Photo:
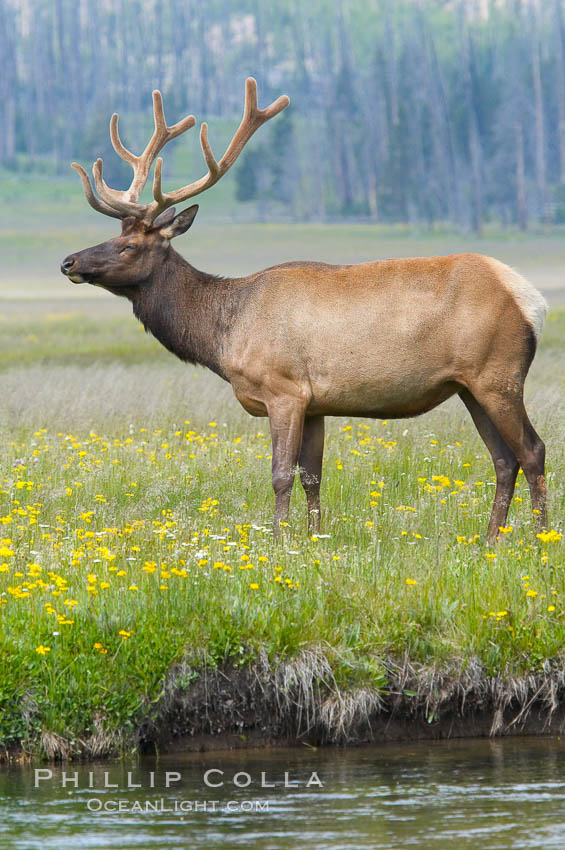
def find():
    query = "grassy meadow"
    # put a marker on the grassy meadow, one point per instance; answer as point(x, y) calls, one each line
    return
point(136, 505)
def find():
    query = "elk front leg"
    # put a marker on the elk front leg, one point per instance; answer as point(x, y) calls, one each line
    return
point(286, 419)
point(310, 466)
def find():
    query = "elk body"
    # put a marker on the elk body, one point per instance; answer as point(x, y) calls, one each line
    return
point(304, 340)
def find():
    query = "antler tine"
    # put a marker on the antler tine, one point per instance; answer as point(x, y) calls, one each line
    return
point(253, 118)
point(120, 149)
point(213, 166)
point(157, 190)
point(178, 128)
point(250, 105)
point(94, 202)
point(159, 112)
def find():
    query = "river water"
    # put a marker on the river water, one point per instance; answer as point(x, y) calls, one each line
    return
point(480, 794)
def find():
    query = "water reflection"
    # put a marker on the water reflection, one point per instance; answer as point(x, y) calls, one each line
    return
point(481, 794)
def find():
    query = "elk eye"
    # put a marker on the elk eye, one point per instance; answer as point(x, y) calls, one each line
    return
point(129, 248)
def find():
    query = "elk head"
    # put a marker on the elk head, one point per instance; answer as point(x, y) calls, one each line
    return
point(129, 259)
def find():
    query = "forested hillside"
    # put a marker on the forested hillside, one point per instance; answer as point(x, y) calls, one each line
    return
point(413, 110)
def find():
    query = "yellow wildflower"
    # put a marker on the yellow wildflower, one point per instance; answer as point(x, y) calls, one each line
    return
point(545, 536)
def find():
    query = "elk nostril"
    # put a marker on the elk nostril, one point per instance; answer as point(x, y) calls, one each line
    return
point(67, 264)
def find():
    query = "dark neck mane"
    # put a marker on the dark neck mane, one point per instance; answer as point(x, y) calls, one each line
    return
point(190, 312)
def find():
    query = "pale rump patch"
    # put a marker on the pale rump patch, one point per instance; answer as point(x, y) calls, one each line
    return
point(532, 304)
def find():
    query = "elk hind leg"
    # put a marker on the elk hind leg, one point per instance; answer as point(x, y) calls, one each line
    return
point(310, 466)
point(505, 464)
point(508, 414)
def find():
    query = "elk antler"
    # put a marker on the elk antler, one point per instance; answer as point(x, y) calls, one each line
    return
point(121, 204)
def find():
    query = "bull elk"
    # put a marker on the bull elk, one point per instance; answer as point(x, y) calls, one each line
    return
point(304, 340)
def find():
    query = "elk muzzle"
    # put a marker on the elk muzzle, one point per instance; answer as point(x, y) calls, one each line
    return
point(67, 269)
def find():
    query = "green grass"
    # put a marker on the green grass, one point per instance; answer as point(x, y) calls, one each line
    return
point(135, 531)
point(72, 338)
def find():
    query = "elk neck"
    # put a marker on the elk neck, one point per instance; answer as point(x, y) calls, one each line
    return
point(190, 312)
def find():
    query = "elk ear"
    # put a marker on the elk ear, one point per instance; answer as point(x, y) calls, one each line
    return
point(181, 223)
point(164, 219)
